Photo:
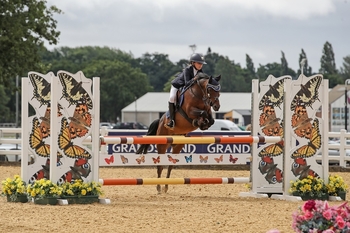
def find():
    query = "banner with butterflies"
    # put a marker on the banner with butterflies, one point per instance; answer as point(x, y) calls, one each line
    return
point(63, 118)
point(289, 113)
point(191, 154)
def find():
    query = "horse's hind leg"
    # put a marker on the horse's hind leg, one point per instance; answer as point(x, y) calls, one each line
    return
point(159, 172)
point(168, 176)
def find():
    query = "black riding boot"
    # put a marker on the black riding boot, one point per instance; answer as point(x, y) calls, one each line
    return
point(171, 123)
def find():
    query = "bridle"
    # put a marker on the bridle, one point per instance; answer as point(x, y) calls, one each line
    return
point(205, 92)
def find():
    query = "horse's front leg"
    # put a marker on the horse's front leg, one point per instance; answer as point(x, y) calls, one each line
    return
point(159, 172)
point(168, 176)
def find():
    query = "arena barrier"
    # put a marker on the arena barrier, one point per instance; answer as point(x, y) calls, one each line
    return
point(160, 181)
point(187, 140)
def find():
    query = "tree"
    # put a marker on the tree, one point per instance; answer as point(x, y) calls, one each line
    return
point(4, 110)
point(328, 68)
point(345, 71)
point(327, 60)
point(24, 26)
point(74, 59)
point(284, 64)
point(250, 65)
point(158, 68)
point(120, 85)
point(307, 70)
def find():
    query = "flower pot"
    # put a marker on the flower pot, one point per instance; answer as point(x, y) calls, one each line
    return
point(80, 199)
point(46, 201)
point(19, 198)
point(306, 197)
point(342, 195)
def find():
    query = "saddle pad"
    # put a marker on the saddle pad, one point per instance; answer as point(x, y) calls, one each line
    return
point(179, 101)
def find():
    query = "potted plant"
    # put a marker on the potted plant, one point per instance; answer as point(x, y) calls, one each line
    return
point(80, 192)
point(318, 216)
point(309, 188)
point(44, 192)
point(14, 189)
point(336, 186)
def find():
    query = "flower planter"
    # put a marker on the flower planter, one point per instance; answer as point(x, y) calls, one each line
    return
point(19, 198)
point(81, 199)
point(342, 195)
point(306, 197)
point(46, 201)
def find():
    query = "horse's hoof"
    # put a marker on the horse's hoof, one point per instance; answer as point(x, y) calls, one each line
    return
point(159, 189)
point(165, 189)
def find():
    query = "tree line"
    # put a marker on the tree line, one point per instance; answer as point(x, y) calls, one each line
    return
point(123, 77)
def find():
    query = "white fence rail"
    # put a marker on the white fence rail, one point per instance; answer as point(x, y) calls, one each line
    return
point(339, 149)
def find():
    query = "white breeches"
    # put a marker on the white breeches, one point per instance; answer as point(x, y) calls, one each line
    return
point(173, 92)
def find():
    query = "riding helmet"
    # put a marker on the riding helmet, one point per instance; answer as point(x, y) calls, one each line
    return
point(197, 57)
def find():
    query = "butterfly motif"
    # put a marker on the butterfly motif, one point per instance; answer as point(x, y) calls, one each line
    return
point(65, 143)
point(299, 166)
point(45, 120)
point(140, 159)
point(268, 122)
point(172, 160)
point(110, 160)
point(232, 159)
point(308, 172)
point(265, 164)
point(80, 169)
point(42, 89)
point(203, 159)
point(274, 175)
point(313, 145)
point(124, 159)
point(156, 160)
point(274, 95)
point(81, 120)
point(41, 174)
point(73, 91)
point(188, 159)
point(36, 140)
point(219, 159)
point(301, 123)
point(308, 93)
point(272, 150)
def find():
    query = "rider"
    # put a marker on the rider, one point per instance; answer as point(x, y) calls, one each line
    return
point(183, 79)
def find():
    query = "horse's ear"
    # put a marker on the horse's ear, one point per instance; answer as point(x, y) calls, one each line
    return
point(217, 78)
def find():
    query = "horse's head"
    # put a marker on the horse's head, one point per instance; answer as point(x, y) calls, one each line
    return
point(213, 90)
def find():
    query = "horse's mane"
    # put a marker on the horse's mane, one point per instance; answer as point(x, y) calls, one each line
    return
point(213, 83)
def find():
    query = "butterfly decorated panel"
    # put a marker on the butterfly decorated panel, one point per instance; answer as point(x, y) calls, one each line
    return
point(74, 121)
point(305, 126)
point(127, 159)
point(270, 109)
point(39, 99)
point(75, 125)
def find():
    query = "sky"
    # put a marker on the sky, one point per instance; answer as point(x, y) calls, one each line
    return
point(232, 28)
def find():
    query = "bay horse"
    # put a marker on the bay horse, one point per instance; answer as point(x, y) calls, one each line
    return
point(193, 111)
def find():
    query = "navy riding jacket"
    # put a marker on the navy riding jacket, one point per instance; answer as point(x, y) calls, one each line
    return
point(183, 78)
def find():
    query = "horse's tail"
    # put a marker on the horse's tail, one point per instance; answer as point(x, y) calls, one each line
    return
point(152, 130)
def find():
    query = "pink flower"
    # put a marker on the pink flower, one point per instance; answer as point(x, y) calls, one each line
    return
point(309, 205)
point(327, 214)
point(273, 231)
point(340, 222)
point(328, 231)
point(308, 215)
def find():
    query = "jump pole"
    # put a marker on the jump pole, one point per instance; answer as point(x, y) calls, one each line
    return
point(160, 181)
point(187, 140)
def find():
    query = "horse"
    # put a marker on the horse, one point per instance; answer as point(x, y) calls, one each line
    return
point(193, 111)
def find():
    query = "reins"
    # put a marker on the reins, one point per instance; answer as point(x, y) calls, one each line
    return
point(205, 97)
